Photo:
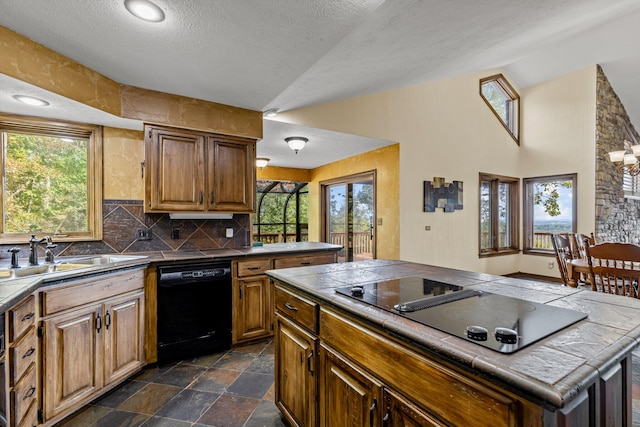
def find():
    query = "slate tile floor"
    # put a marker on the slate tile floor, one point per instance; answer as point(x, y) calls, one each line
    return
point(228, 389)
point(231, 388)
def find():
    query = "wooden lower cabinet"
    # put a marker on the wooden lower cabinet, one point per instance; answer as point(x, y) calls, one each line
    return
point(89, 348)
point(253, 313)
point(92, 339)
point(399, 412)
point(253, 299)
point(347, 396)
point(295, 373)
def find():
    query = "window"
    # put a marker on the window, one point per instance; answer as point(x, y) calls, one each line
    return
point(549, 207)
point(498, 215)
point(504, 101)
point(282, 212)
point(51, 181)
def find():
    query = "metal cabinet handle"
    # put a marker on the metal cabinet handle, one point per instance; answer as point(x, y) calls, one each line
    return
point(306, 263)
point(212, 198)
point(310, 362)
point(29, 393)
point(28, 316)
point(99, 323)
point(29, 352)
point(254, 268)
point(290, 307)
point(201, 197)
point(372, 410)
point(107, 320)
point(387, 417)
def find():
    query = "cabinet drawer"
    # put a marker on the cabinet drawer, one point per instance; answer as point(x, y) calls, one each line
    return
point(24, 395)
point(21, 317)
point(90, 290)
point(303, 261)
point(253, 267)
point(21, 355)
point(302, 311)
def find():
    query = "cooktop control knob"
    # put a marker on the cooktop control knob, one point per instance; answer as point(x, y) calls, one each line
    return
point(477, 333)
point(357, 291)
point(506, 335)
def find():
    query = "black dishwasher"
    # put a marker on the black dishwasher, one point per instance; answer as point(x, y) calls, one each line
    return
point(194, 310)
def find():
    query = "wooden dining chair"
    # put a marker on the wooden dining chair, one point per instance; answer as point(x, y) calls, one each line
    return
point(562, 248)
point(580, 242)
point(615, 268)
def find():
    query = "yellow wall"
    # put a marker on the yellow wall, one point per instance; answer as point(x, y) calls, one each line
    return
point(123, 151)
point(385, 161)
point(445, 129)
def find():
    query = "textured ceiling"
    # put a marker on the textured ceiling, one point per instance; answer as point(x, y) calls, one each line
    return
point(294, 53)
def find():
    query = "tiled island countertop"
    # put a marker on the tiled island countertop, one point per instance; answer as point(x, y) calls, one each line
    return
point(552, 371)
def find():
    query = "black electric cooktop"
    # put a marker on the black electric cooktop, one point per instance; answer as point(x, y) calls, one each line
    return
point(498, 322)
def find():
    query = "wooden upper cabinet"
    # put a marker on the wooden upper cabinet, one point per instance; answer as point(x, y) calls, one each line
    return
point(231, 174)
point(193, 171)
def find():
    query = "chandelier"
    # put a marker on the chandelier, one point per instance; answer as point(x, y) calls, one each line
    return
point(627, 161)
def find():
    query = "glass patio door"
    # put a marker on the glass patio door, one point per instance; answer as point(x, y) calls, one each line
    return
point(349, 216)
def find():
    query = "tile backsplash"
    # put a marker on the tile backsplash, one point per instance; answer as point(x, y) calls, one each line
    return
point(122, 218)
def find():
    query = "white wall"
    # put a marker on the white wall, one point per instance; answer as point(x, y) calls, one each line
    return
point(446, 130)
point(558, 137)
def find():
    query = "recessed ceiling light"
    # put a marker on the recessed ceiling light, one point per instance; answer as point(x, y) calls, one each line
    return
point(30, 100)
point(145, 10)
point(272, 112)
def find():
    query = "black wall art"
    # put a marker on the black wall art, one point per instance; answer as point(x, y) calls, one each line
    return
point(440, 194)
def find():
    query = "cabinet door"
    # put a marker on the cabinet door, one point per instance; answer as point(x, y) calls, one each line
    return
point(295, 380)
point(174, 170)
point(231, 175)
point(72, 348)
point(253, 312)
point(123, 328)
point(400, 413)
point(348, 397)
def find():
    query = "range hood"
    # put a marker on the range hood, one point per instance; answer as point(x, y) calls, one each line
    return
point(200, 215)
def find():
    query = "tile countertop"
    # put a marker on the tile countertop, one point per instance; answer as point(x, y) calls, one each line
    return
point(13, 290)
point(553, 370)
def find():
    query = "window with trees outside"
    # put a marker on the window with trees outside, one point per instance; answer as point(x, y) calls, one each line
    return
point(549, 207)
point(504, 101)
point(281, 214)
point(498, 215)
point(51, 181)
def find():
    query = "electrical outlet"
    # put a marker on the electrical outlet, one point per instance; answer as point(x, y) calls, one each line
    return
point(551, 265)
point(427, 228)
point(175, 233)
point(143, 234)
point(229, 233)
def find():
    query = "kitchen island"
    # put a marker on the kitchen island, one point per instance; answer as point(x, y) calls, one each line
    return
point(377, 367)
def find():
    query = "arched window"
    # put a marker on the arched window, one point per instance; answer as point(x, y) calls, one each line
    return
point(281, 214)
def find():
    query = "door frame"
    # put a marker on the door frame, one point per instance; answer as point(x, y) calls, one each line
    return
point(349, 179)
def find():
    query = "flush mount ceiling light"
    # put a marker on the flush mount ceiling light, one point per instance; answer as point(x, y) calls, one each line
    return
point(262, 162)
point(30, 100)
point(145, 10)
point(272, 112)
point(296, 143)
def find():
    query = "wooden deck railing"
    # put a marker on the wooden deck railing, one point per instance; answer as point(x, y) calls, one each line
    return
point(540, 240)
point(361, 240)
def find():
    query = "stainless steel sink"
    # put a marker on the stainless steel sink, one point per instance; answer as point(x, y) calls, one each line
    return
point(65, 265)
